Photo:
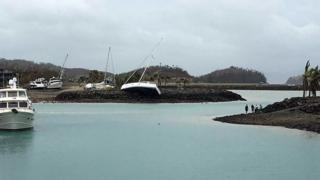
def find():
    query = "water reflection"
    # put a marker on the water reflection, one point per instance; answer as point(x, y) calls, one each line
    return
point(15, 142)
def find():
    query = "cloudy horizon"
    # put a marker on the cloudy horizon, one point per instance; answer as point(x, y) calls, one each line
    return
point(275, 37)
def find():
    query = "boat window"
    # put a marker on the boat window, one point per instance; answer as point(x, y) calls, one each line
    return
point(3, 105)
point(23, 104)
point(22, 94)
point(2, 94)
point(13, 104)
point(12, 93)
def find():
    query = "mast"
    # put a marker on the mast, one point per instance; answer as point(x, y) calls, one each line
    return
point(113, 71)
point(62, 68)
point(145, 59)
point(105, 73)
point(145, 68)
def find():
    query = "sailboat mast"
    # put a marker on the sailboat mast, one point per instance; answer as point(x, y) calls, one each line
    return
point(144, 60)
point(144, 71)
point(105, 73)
point(62, 68)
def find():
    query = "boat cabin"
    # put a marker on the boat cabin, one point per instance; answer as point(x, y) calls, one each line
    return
point(14, 98)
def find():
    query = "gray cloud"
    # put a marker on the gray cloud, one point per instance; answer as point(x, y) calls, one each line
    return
point(275, 36)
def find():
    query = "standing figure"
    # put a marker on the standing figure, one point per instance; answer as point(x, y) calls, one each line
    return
point(246, 108)
point(252, 108)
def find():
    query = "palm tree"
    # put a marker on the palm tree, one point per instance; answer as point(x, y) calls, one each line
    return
point(305, 81)
point(313, 78)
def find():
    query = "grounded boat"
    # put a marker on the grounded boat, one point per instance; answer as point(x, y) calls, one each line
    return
point(57, 83)
point(107, 83)
point(98, 86)
point(15, 108)
point(39, 83)
point(146, 88)
point(142, 87)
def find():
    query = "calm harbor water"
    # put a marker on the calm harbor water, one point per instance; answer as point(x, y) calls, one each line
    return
point(157, 141)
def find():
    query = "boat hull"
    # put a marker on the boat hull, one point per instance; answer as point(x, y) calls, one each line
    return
point(18, 120)
point(55, 85)
point(142, 88)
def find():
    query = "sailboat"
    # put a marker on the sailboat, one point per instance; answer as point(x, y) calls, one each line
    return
point(56, 83)
point(108, 82)
point(142, 87)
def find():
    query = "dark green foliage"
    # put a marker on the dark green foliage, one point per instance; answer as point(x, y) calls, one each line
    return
point(27, 71)
point(159, 74)
point(233, 75)
point(83, 79)
point(95, 76)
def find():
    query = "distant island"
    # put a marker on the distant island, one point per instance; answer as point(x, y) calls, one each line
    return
point(295, 80)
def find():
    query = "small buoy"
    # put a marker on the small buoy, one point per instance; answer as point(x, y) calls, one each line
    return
point(159, 124)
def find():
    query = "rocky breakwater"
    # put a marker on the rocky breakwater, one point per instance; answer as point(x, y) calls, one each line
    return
point(297, 113)
point(169, 95)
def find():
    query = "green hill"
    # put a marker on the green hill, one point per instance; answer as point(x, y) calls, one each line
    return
point(233, 75)
point(28, 70)
point(160, 74)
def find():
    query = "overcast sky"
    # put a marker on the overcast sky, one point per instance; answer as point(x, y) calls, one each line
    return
point(273, 36)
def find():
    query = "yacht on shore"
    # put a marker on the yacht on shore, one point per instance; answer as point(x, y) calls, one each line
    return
point(57, 83)
point(143, 87)
point(108, 82)
point(39, 83)
point(16, 110)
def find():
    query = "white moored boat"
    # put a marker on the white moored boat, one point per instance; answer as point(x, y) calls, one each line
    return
point(15, 108)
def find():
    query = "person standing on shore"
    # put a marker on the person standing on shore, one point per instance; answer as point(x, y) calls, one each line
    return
point(246, 108)
point(256, 110)
point(252, 108)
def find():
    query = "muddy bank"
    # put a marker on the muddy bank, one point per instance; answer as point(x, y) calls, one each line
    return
point(190, 95)
point(295, 113)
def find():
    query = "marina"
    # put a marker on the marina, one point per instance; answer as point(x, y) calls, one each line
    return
point(159, 90)
point(157, 141)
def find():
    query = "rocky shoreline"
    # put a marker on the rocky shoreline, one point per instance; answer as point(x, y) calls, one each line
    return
point(189, 95)
point(294, 113)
